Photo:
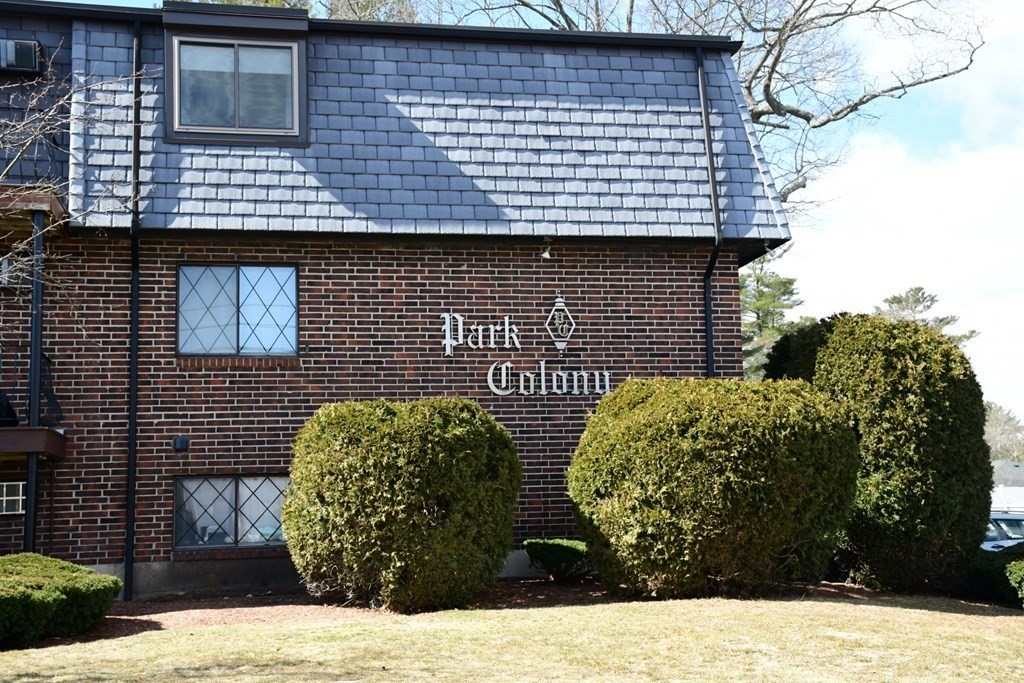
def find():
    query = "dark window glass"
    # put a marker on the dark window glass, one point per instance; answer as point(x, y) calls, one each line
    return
point(265, 87)
point(228, 511)
point(207, 86)
point(236, 87)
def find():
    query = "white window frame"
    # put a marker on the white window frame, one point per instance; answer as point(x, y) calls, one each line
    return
point(176, 43)
point(12, 490)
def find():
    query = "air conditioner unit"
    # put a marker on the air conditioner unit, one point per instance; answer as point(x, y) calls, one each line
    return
point(21, 55)
point(12, 276)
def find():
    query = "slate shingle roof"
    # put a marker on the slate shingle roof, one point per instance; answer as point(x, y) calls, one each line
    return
point(432, 136)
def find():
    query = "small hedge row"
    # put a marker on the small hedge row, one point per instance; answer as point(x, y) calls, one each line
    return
point(703, 487)
point(1015, 575)
point(43, 596)
point(404, 505)
point(563, 559)
point(795, 354)
point(988, 576)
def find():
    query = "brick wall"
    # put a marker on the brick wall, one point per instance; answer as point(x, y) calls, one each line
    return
point(369, 327)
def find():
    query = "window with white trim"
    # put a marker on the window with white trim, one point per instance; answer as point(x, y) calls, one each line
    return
point(237, 310)
point(12, 497)
point(233, 87)
point(228, 511)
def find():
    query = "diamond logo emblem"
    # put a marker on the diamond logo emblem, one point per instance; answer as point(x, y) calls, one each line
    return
point(560, 324)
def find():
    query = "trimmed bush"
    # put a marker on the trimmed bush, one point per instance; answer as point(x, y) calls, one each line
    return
point(563, 559)
point(688, 488)
point(925, 480)
point(988, 576)
point(1015, 575)
point(407, 506)
point(795, 353)
point(43, 596)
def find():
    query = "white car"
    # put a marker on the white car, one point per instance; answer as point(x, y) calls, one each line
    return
point(1004, 529)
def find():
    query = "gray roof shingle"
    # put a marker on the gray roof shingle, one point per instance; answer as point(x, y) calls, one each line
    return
point(424, 136)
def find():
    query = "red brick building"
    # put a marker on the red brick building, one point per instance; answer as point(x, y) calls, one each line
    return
point(523, 218)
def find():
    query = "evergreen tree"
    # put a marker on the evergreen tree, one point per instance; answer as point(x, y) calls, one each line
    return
point(914, 304)
point(765, 296)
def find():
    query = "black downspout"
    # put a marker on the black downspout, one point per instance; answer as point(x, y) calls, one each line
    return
point(35, 364)
point(709, 334)
point(133, 350)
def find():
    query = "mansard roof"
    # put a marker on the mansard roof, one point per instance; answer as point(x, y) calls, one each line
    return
point(429, 130)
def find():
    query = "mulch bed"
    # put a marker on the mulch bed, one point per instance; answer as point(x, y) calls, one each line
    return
point(227, 608)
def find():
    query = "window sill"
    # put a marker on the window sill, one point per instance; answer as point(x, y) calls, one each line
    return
point(239, 362)
point(236, 553)
point(237, 139)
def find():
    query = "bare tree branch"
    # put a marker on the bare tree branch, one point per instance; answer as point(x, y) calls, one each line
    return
point(36, 115)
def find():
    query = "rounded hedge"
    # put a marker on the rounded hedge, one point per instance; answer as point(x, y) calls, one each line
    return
point(795, 354)
point(565, 560)
point(687, 488)
point(43, 596)
point(408, 506)
point(925, 482)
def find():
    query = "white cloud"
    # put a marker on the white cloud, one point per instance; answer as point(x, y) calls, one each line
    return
point(953, 226)
point(991, 96)
point(951, 220)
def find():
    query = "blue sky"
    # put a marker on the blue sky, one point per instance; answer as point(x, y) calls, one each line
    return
point(927, 196)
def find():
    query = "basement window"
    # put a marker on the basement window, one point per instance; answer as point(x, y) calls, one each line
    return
point(228, 511)
point(12, 497)
point(226, 310)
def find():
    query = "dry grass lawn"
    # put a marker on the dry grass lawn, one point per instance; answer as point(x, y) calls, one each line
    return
point(824, 638)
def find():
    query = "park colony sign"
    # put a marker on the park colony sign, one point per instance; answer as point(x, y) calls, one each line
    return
point(502, 378)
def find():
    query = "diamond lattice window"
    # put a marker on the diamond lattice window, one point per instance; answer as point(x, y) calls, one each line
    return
point(237, 310)
point(228, 511)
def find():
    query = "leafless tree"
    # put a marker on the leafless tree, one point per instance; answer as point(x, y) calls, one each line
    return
point(402, 11)
point(1004, 433)
point(34, 126)
point(37, 115)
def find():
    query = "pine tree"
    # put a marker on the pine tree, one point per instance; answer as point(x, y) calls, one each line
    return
point(914, 304)
point(765, 296)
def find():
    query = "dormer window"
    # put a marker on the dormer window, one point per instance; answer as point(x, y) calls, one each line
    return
point(233, 87)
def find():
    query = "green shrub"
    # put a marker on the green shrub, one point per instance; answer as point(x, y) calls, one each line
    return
point(409, 506)
point(795, 353)
point(988, 576)
point(43, 596)
point(925, 480)
point(699, 487)
point(564, 560)
point(1015, 575)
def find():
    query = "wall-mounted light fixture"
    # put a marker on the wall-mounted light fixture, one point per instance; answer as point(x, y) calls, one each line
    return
point(546, 252)
point(180, 444)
